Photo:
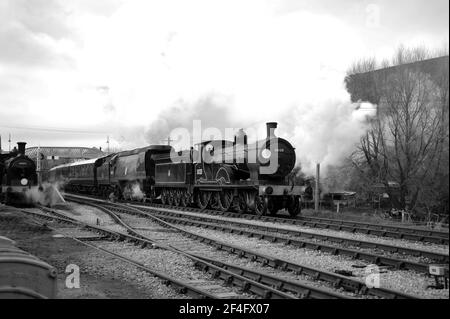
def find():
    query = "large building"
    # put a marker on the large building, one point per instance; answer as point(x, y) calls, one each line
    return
point(54, 156)
point(364, 86)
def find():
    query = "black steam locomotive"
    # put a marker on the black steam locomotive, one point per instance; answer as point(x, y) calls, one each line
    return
point(17, 176)
point(218, 174)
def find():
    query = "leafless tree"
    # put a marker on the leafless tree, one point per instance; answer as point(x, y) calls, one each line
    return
point(408, 141)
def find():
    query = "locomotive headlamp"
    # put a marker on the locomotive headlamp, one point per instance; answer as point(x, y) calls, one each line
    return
point(268, 190)
point(24, 181)
point(266, 153)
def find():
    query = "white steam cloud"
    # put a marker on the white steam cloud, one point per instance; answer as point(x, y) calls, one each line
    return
point(48, 194)
point(328, 132)
point(229, 64)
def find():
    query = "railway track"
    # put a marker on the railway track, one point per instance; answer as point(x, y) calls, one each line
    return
point(338, 281)
point(295, 287)
point(400, 232)
point(181, 287)
point(381, 230)
point(253, 282)
point(395, 232)
point(271, 234)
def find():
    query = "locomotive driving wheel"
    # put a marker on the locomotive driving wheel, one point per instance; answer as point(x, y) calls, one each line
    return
point(184, 199)
point(170, 197)
point(240, 203)
point(203, 199)
point(224, 200)
point(261, 205)
point(164, 197)
point(176, 195)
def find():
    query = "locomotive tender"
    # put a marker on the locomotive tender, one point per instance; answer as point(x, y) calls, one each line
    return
point(219, 174)
point(17, 176)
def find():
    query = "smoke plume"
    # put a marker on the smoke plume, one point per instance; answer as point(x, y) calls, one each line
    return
point(231, 64)
point(47, 195)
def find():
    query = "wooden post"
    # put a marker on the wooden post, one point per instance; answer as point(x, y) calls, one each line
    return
point(316, 191)
point(38, 165)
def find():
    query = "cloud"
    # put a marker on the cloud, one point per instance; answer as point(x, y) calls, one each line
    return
point(211, 109)
point(138, 68)
point(33, 34)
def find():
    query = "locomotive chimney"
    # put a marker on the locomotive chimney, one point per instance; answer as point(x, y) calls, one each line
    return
point(271, 126)
point(21, 146)
point(240, 137)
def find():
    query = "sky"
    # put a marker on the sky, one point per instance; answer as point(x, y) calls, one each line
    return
point(73, 72)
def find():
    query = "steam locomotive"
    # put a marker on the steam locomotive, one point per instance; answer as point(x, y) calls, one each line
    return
point(17, 176)
point(218, 174)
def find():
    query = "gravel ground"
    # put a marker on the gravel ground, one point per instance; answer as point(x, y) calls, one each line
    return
point(186, 244)
point(380, 252)
point(408, 282)
point(173, 264)
point(101, 276)
point(443, 249)
point(85, 213)
point(405, 281)
point(181, 242)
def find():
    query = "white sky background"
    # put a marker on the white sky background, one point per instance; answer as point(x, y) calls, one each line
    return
point(131, 69)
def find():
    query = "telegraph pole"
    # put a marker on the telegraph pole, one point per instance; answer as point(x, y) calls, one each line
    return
point(9, 141)
point(317, 190)
point(169, 140)
point(38, 165)
point(107, 142)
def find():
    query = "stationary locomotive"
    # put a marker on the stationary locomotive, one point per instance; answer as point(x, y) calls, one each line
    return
point(218, 174)
point(17, 176)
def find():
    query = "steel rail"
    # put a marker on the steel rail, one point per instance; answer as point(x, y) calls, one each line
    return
point(179, 286)
point(294, 286)
point(439, 257)
point(407, 231)
point(299, 288)
point(382, 230)
point(339, 281)
point(301, 243)
point(229, 277)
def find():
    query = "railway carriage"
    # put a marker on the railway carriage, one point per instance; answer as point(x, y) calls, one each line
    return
point(128, 174)
point(79, 176)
